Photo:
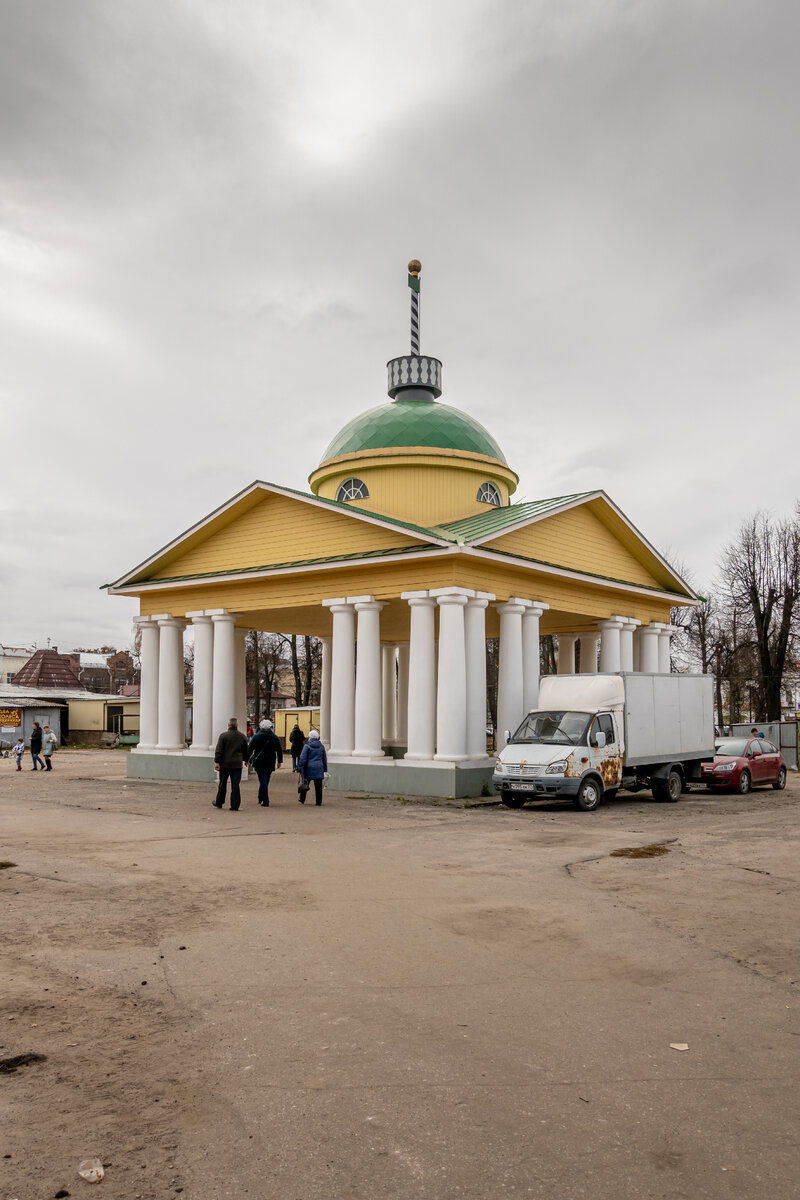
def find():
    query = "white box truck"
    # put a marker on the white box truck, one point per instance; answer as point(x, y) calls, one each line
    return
point(594, 734)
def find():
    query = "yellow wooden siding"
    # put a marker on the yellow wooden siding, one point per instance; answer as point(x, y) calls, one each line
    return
point(424, 494)
point(281, 529)
point(579, 540)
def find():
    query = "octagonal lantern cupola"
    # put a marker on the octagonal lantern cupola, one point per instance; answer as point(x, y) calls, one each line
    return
point(414, 459)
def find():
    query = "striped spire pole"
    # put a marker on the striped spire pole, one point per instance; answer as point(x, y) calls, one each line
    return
point(414, 268)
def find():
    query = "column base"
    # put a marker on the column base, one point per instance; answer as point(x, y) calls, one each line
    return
point(179, 749)
point(423, 758)
point(143, 748)
point(369, 755)
point(451, 758)
point(200, 750)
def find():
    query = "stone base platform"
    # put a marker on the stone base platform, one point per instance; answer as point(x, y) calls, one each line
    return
point(388, 776)
point(189, 768)
point(395, 777)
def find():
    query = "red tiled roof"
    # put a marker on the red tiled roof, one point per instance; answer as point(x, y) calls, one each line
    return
point(47, 669)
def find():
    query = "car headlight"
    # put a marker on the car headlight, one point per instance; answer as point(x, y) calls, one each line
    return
point(557, 768)
point(499, 768)
point(724, 768)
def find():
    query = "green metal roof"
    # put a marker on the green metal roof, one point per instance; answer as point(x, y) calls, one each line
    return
point(413, 423)
point(302, 562)
point(495, 520)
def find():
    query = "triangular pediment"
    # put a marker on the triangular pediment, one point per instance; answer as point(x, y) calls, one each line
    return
point(268, 526)
point(588, 534)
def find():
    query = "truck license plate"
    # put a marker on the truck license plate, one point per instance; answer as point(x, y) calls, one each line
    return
point(521, 787)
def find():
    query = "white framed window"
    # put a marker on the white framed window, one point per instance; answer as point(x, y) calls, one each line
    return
point(352, 489)
point(489, 493)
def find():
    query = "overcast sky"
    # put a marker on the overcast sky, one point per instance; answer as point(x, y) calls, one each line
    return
point(206, 211)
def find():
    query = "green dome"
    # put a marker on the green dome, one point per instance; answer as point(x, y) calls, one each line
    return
point(413, 423)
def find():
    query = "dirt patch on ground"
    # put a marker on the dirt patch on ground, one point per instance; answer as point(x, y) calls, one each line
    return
point(639, 852)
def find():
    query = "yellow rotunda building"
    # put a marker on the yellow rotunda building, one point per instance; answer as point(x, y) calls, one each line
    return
point(413, 554)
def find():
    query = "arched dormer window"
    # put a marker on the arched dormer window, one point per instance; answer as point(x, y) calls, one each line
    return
point(352, 489)
point(488, 493)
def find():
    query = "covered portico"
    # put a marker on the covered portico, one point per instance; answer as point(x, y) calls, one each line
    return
point(403, 629)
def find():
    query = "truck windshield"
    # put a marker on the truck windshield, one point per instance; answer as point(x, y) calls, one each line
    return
point(556, 728)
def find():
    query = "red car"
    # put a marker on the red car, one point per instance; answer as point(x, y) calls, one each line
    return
point(744, 763)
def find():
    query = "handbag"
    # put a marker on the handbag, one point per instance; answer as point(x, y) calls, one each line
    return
point(303, 785)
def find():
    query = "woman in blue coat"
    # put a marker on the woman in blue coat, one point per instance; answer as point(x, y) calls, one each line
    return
point(313, 765)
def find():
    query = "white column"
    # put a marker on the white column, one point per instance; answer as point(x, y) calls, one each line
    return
point(566, 653)
point(629, 625)
point(343, 679)
point(648, 649)
point(451, 691)
point(637, 649)
point(402, 693)
point(203, 677)
point(610, 645)
point(589, 643)
point(530, 654)
point(421, 709)
point(325, 693)
point(223, 691)
point(509, 673)
point(148, 685)
point(240, 683)
point(171, 703)
point(389, 692)
point(475, 643)
point(664, 648)
point(368, 678)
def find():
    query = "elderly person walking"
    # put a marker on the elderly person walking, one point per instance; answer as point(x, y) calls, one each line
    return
point(49, 743)
point(231, 754)
point(313, 765)
point(266, 753)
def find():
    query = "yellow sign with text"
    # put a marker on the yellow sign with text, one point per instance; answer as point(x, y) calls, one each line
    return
point(10, 717)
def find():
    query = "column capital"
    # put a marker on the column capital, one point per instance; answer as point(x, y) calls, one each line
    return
point(221, 617)
point(536, 608)
point(629, 622)
point(453, 599)
point(366, 604)
point(199, 618)
point(142, 621)
point(610, 623)
point(478, 601)
point(514, 605)
point(175, 622)
point(418, 599)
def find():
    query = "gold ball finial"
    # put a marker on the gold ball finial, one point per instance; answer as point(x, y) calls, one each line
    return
point(414, 267)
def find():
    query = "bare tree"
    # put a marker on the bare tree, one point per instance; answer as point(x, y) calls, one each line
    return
point(761, 572)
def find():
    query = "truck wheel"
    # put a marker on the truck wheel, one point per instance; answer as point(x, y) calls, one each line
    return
point(512, 799)
point(744, 783)
point(590, 795)
point(668, 789)
point(780, 782)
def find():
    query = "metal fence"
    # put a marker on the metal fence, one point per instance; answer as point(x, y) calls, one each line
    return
point(780, 733)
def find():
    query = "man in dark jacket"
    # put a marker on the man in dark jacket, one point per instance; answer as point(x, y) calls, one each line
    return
point(229, 757)
point(265, 752)
point(297, 740)
point(36, 746)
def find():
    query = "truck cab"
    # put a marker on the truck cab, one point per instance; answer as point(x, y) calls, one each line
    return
point(561, 752)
